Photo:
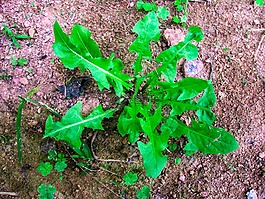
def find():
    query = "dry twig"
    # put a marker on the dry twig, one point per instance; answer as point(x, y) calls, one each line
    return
point(96, 157)
point(8, 193)
point(255, 57)
point(106, 187)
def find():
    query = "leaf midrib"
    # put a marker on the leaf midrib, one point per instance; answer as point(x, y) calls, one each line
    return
point(107, 73)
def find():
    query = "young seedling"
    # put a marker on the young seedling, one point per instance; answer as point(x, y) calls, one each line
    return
point(130, 178)
point(161, 11)
point(13, 36)
point(4, 75)
point(181, 7)
point(15, 62)
point(46, 191)
point(45, 168)
point(143, 193)
point(260, 2)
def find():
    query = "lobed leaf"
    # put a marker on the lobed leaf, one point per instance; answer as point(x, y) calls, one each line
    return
point(81, 51)
point(194, 33)
point(143, 193)
point(147, 30)
point(207, 100)
point(129, 122)
point(140, 5)
point(44, 168)
point(46, 191)
point(169, 58)
point(130, 178)
point(153, 159)
point(71, 126)
point(260, 2)
point(162, 12)
point(60, 166)
point(179, 96)
point(208, 139)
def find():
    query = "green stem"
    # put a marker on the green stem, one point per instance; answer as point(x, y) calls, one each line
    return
point(18, 131)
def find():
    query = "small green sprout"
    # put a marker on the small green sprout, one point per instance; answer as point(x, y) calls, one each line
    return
point(46, 191)
point(14, 37)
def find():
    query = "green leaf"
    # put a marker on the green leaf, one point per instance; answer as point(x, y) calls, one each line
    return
point(177, 160)
point(22, 61)
point(171, 56)
point(140, 5)
point(191, 87)
point(16, 42)
point(260, 2)
point(185, 89)
point(210, 140)
point(60, 166)
point(170, 127)
point(208, 100)
point(178, 95)
point(147, 30)
point(180, 8)
point(52, 155)
point(172, 147)
point(162, 12)
point(81, 38)
point(84, 53)
point(143, 193)
point(73, 123)
point(129, 122)
point(14, 61)
point(19, 36)
point(190, 149)
point(176, 19)
point(194, 33)
point(154, 160)
point(130, 178)
point(46, 191)
point(8, 31)
point(44, 168)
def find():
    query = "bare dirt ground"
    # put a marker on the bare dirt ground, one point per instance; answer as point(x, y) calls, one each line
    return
point(233, 46)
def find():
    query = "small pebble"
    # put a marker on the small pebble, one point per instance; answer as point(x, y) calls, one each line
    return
point(262, 155)
point(174, 36)
point(24, 81)
point(182, 178)
point(26, 23)
point(31, 32)
point(252, 194)
point(193, 68)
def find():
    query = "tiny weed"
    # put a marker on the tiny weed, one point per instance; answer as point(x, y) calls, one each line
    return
point(143, 193)
point(13, 36)
point(260, 2)
point(45, 168)
point(18, 62)
point(130, 178)
point(46, 191)
point(181, 7)
point(177, 160)
point(172, 146)
point(5, 75)
point(225, 49)
point(30, 70)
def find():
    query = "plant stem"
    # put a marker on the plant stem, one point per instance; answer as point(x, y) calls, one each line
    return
point(18, 131)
